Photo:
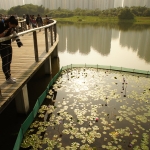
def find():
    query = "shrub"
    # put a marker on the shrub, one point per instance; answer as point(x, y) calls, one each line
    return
point(79, 19)
point(125, 14)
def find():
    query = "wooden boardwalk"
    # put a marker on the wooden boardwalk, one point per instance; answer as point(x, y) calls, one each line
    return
point(23, 65)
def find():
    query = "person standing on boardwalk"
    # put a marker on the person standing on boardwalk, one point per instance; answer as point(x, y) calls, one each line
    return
point(46, 20)
point(7, 28)
point(34, 23)
point(28, 21)
point(39, 21)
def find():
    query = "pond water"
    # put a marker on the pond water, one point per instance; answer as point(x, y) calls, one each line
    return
point(89, 109)
point(121, 45)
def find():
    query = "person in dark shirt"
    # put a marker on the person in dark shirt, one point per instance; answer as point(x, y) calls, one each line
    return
point(7, 28)
point(39, 21)
point(28, 21)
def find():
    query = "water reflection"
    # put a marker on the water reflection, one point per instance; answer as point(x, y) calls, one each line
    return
point(101, 40)
point(115, 34)
point(137, 41)
point(83, 39)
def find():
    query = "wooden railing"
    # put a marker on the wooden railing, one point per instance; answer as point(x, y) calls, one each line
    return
point(51, 27)
point(48, 29)
point(22, 26)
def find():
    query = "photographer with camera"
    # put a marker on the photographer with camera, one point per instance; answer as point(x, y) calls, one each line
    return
point(7, 28)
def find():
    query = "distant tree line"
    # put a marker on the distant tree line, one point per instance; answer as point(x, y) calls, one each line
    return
point(25, 9)
point(121, 13)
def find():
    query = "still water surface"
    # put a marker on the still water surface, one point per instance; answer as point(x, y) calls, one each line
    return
point(93, 109)
point(105, 45)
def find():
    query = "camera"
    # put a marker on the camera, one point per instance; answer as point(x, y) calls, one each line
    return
point(19, 43)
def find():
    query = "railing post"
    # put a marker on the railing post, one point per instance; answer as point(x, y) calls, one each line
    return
point(22, 26)
point(25, 27)
point(55, 31)
point(22, 101)
point(46, 40)
point(51, 30)
point(48, 66)
point(35, 46)
point(0, 92)
point(55, 52)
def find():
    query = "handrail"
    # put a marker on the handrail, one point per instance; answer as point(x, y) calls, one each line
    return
point(23, 20)
point(52, 28)
point(28, 31)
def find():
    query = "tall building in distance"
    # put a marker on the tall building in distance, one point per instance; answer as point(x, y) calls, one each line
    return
point(7, 4)
point(118, 3)
point(73, 4)
point(83, 4)
point(94, 4)
point(130, 3)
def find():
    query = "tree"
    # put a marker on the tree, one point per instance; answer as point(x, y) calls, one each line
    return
point(2, 11)
point(146, 13)
point(11, 11)
point(40, 10)
point(96, 12)
point(125, 14)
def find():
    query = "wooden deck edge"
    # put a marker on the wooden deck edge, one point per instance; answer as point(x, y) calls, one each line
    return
point(5, 100)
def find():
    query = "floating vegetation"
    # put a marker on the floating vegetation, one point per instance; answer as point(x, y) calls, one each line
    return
point(93, 109)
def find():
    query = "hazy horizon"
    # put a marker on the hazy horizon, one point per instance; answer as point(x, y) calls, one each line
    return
point(73, 4)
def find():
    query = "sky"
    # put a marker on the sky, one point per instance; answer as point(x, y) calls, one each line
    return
point(73, 4)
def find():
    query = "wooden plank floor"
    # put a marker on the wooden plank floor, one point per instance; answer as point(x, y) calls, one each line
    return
point(23, 65)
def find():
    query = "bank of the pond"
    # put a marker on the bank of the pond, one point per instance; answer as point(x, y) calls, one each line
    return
point(91, 19)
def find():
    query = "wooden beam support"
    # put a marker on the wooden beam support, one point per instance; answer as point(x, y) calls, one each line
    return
point(22, 101)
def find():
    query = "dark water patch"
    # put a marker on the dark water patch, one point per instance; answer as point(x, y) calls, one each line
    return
point(10, 120)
